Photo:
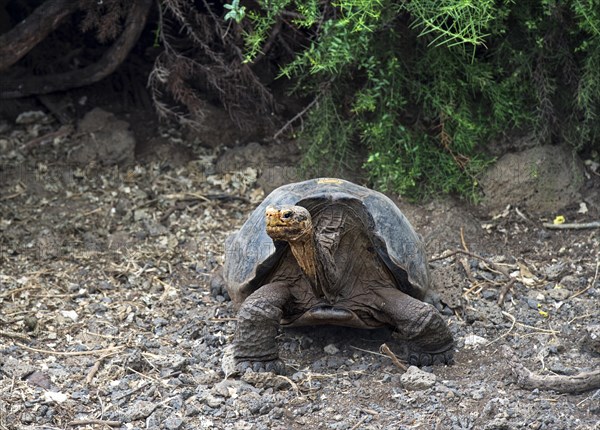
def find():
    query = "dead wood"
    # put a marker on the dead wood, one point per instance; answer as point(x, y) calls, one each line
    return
point(110, 60)
point(16, 43)
point(580, 382)
point(572, 225)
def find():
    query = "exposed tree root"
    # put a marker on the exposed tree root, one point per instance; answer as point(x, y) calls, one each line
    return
point(16, 43)
point(572, 226)
point(584, 381)
point(110, 60)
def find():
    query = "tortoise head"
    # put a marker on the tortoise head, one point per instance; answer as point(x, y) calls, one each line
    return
point(288, 223)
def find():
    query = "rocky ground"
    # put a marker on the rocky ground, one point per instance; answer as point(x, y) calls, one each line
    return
point(106, 320)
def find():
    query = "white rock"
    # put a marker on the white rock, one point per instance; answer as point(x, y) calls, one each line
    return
point(474, 340)
point(54, 396)
point(331, 349)
point(417, 379)
point(228, 362)
point(72, 315)
point(31, 117)
point(559, 294)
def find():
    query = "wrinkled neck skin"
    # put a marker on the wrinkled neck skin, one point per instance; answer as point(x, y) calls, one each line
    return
point(316, 263)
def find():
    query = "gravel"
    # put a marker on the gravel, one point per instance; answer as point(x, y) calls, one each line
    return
point(106, 318)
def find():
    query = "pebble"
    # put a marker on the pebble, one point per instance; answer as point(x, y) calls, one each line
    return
point(276, 413)
point(570, 282)
point(474, 340)
point(331, 349)
point(298, 376)
point(31, 117)
point(173, 423)
point(416, 379)
point(141, 409)
point(591, 340)
point(532, 303)
point(27, 418)
point(489, 294)
point(192, 410)
point(231, 387)
point(553, 271)
point(559, 294)
point(561, 369)
point(478, 394)
point(214, 401)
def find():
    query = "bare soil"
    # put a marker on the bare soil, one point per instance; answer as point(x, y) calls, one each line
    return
point(106, 319)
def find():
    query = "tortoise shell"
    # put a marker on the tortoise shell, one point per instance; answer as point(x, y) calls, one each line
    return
point(250, 254)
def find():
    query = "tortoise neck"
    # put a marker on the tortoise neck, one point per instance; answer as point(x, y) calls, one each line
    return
point(305, 252)
point(311, 259)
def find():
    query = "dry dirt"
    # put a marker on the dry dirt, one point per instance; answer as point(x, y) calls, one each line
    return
point(106, 320)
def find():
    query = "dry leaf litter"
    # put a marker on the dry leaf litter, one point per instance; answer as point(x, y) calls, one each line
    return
point(106, 319)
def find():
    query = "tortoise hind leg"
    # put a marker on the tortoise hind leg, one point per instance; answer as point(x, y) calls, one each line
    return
point(419, 323)
point(259, 317)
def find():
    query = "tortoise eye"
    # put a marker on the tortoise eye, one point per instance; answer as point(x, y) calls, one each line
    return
point(286, 215)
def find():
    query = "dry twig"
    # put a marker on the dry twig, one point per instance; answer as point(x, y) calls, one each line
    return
point(131, 392)
point(358, 424)
point(65, 130)
point(13, 335)
point(505, 289)
point(95, 368)
point(296, 117)
point(93, 421)
point(387, 351)
point(367, 351)
point(477, 256)
point(462, 239)
point(514, 322)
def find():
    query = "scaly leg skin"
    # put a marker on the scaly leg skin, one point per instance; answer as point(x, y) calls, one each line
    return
point(419, 323)
point(217, 285)
point(254, 345)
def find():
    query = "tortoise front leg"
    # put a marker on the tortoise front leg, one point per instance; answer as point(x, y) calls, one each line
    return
point(420, 323)
point(259, 317)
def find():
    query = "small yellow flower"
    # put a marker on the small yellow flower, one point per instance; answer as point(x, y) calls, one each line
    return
point(543, 313)
point(559, 220)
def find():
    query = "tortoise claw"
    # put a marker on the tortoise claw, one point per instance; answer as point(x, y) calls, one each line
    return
point(427, 359)
point(275, 366)
point(217, 286)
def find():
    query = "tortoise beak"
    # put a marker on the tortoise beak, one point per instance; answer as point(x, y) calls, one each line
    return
point(273, 216)
point(278, 217)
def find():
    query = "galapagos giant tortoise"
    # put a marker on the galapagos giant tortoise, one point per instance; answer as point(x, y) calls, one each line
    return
point(327, 251)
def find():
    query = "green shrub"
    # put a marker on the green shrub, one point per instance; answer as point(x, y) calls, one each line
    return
point(424, 85)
